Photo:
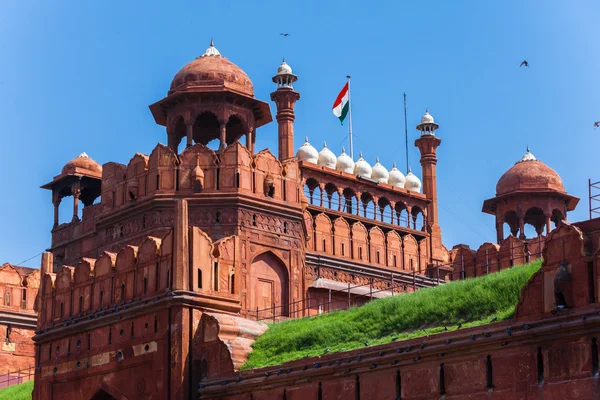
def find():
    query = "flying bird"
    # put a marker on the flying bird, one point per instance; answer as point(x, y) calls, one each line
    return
point(596, 124)
point(525, 63)
point(284, 34)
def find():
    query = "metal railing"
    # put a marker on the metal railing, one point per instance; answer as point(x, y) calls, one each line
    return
point(17, 377)
point(461, 268)
point(594, 198)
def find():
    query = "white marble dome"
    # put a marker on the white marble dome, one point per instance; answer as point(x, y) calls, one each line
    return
point(379, 172)
point(327, 158)
point(362, 168)
point(284, 68)
point(412, 183)
point(427, 118)
point(307, 153)
point(396, 177)
point(345, 163)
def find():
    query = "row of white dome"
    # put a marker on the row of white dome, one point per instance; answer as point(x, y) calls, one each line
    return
point(326, 158)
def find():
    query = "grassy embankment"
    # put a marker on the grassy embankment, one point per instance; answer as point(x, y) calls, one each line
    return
point(470, 302)
point(17, 392)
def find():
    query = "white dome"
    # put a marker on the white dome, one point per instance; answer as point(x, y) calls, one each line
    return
point(345, 163)
point(307, 153)
point(527, 157)
point(396, 177)
point(379, 172)
point(427, 118)
point(362, 168)
point(284, 69)
point(412, 183)
point(327, 158)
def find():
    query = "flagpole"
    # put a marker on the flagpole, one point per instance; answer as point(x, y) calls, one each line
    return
point(406, 132)
point(350, 120)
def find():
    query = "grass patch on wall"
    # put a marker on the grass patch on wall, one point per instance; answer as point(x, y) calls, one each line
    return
point(469, 302)
point(17, 392)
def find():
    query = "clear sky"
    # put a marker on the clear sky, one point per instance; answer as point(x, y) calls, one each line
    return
point(79, 76)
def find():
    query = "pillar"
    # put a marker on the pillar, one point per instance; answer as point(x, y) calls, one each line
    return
point(521, 226)
point(56, 203)
point(222, 135)
point(499, 230)
point(428, 144)
point(548, 225)
point(76, 191)
point(285, 98)
point(189, 130)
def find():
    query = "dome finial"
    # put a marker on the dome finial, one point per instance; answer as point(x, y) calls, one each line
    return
point(343, 150)
point(528, 149)
point(305, 139)
point(324, 143)
point(394, 166)
point(376, 159)
point(212, 50)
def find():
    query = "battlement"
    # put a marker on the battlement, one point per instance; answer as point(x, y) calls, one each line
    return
point(135, 274)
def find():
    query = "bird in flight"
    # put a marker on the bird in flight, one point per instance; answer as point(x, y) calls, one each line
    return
point(525, 63)
point(596, 124)
point(284, 34)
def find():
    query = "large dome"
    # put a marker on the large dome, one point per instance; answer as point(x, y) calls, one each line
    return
point(82, 165)
point(212, 70)
point(529, 174)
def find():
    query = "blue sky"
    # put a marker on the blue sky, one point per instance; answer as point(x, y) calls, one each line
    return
point(79, 76)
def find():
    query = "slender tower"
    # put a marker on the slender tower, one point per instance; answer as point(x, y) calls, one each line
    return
point(427, 145)
point(285, 98)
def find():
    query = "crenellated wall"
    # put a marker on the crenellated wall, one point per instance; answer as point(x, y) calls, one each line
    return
point(490, 257)
point(549, 350)
point(18, 296)
point(216, 182)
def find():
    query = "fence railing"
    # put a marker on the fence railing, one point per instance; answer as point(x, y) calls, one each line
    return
point(16, 377)
point(461, 268)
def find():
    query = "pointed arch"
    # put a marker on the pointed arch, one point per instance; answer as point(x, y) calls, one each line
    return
point(269, 283)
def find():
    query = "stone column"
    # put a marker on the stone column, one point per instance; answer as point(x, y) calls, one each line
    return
point(222, 135)
point(548, 225)
point(285, 98)
point(76, 191)
point(189, 130)
point(321, 194)
point(342, 199)
point(56, 203)
point(499, 230)
point(521, 226)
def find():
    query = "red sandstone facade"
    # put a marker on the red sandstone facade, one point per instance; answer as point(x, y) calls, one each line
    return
point(18, 293)
point(151, 287)
point(548, 351)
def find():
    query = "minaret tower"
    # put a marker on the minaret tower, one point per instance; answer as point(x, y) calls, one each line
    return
point(427, 145)
point(285, 98)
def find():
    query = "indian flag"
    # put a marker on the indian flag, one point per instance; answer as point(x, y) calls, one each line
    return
point(342, 104)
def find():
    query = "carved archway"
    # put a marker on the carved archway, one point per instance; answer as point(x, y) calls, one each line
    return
point(269, 283)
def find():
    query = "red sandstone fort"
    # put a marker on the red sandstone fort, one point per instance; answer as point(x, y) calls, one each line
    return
point(157, 287)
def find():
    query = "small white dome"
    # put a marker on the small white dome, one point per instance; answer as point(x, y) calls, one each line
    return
point(327, 158)
point(396, 177)
point(362, 168)
point(411, 182)
point(307, 153)
point(527, 157)
point(284, 69)
point(379, 172)
point(211, 51)
point(427, 118)
point(345, 163)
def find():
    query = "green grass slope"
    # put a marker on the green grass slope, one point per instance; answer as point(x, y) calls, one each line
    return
point(469, 302)
point(17, 392)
